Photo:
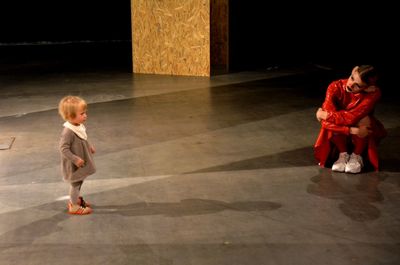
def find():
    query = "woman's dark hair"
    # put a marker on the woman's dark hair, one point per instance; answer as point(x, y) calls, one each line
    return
point(368, 74)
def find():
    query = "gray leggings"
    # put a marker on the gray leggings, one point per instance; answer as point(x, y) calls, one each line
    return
point(74, 191)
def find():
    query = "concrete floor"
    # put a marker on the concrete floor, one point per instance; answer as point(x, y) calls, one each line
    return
point(191, 170)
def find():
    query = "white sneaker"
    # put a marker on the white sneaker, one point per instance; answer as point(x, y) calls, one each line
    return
point(355, 164)
point(340, 164)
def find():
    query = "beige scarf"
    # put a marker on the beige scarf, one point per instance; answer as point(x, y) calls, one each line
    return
point(79, 130)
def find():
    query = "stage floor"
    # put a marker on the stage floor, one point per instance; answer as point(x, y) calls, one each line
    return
point(191, 170)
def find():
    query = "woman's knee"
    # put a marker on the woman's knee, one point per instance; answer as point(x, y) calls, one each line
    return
point(366, 121)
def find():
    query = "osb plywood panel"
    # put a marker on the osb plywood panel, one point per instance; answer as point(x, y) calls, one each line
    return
point(219, 33)
point(171, 37)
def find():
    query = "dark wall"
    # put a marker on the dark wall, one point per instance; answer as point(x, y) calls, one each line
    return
point(55, 36)
point(52, 21)
point(266, 33)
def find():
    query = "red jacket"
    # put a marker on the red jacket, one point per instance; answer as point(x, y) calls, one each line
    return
point(344, 110)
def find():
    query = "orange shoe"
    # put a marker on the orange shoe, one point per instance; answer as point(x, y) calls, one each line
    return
point(78, 210)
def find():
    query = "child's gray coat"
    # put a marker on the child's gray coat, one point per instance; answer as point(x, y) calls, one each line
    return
point(71, 148)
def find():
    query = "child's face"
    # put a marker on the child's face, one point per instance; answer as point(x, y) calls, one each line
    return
point(81, 116)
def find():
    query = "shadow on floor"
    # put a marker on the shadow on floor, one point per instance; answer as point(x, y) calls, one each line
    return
point(357, 192)
point(186, 207)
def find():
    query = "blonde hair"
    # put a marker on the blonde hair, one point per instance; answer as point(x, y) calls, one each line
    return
point(69, 106)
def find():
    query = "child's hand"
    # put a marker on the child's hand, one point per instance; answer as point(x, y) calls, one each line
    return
point(80, 162)
point(92, 149)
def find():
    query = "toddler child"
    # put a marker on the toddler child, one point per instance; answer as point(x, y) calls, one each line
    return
point(76, 152)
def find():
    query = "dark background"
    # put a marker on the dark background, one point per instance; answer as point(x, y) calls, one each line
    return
point(44, 36)
point(332, 32)
point(80, 35)
point(35, 21)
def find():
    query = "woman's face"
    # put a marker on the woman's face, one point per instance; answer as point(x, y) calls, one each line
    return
point(354, 83)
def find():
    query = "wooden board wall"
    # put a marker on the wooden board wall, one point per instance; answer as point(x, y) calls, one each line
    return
point(171, 37)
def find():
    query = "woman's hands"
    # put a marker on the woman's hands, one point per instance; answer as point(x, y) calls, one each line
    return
point(321, 114)
point(361, 131)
